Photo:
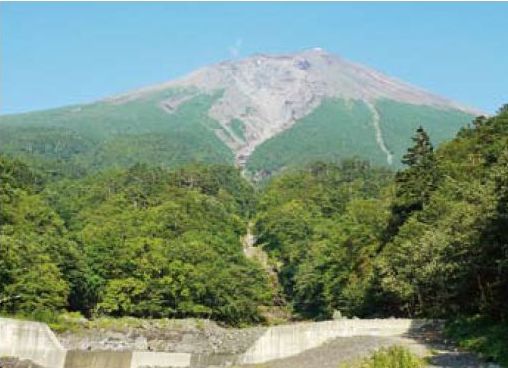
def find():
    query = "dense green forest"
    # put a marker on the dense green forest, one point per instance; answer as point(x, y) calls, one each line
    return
point(427, 241)
point(141, 242)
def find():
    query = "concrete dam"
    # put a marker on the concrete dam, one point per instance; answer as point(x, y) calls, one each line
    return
point(36, 342)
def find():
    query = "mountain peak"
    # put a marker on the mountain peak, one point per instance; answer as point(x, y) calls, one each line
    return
point(270, 93)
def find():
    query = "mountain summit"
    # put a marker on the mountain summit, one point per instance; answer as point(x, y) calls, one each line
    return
point(265, 112)
point(271, 93)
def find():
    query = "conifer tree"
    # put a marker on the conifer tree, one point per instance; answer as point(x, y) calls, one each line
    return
point(415, 183)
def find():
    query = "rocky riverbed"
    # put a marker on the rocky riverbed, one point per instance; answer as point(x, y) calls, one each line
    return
point(186, 335)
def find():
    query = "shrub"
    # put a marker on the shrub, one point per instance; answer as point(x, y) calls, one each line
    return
point(481, 335)
point(392, 357)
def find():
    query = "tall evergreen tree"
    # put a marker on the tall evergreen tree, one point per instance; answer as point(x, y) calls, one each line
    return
point(414, 184)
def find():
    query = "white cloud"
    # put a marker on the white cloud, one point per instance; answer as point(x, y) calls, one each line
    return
point(235, 49)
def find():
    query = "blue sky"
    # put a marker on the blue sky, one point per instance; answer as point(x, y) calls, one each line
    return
point(55, 54)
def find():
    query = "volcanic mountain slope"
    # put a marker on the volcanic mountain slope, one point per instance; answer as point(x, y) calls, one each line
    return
point(263, 112)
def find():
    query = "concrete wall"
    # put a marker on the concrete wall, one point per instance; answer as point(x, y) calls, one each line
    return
point(31, 340)
point(213, 360)
point(35, 341)
point(98, 359)
point(284, 341)
point(142, 359)
point(126, 359)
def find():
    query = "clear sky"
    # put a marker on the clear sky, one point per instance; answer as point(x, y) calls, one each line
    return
point(55, 54)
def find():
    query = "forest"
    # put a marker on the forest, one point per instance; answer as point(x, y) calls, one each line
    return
point(429, 240)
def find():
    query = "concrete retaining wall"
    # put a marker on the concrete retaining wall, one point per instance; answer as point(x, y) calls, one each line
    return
point(35, 341)
point(284, 341)
point(126, 359)
point(143, 359)
point(98, 359)
point(31, 340)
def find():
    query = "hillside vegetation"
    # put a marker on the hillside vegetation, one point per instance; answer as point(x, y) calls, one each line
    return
point(427, 241)
point(81, 140)
point(142, 242)
point(78, 140)
point(340, 128)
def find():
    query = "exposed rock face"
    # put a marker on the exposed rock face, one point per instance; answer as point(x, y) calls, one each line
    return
point(270, 93)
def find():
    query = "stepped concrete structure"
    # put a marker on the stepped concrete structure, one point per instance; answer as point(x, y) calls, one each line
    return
point(36, 342)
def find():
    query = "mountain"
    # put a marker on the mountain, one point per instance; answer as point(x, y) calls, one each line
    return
point(263, 112)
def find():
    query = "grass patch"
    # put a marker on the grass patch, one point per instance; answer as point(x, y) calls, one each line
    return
point(392, 357)
point(238, 127)
point(483, 336)
point(58, 322)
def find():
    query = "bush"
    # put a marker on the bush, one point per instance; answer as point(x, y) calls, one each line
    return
point(392, 357)
point(482, 336)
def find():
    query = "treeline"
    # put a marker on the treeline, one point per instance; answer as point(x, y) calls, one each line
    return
point(431, 242)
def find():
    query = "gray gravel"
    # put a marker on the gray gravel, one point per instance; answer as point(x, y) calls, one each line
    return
point(344, 351)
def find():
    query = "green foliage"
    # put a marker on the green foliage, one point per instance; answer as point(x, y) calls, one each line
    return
point(140, 242)
point(398, 122)
point(333, 131)
point(392, 357)
point(238, 128)
point(432, 243)
point(323, 224)
point(151, 252)
point(481, 335)
point(38, 262)
point(414, 184)
point(450, 256)
point(339, 129)
point(75, 140)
